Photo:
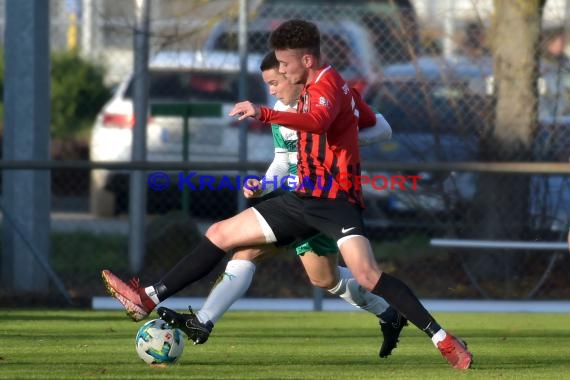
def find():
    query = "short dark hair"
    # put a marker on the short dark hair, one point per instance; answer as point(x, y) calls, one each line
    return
point(297, 34)
point(269, 62)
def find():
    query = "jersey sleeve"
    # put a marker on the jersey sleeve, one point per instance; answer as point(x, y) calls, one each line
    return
point(278, 169)
point(381, 131)
point(278, 141)
point(366, 116)
point(323, 109)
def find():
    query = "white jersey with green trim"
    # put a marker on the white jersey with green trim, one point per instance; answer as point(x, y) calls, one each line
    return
point(285, 139)
point(284, 162)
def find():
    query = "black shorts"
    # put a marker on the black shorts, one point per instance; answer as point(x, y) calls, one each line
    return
point(293, 218)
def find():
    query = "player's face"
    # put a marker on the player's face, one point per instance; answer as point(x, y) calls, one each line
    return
point(280, 87)
point(292, 65)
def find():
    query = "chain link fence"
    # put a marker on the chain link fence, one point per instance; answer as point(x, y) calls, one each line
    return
point(427, 68)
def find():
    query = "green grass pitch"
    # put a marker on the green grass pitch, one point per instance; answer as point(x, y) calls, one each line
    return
point(85, 344)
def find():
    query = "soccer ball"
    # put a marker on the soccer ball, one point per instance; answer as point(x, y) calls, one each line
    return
point(159, 344)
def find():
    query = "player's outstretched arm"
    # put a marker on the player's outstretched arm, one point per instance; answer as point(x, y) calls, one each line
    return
point(277, 170)
point(381, 131)
point(244, 110)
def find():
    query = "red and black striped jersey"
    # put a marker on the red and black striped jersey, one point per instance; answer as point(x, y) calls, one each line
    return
point(327, 125)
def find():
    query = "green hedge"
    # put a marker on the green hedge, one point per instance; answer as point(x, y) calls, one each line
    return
point(78, 93)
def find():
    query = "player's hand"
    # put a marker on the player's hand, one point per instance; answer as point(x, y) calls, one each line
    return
point(252, 188)
point(245, 109)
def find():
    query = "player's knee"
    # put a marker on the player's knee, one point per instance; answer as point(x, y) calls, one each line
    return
point(216, 234)
point(366, 278)
point(324, 282)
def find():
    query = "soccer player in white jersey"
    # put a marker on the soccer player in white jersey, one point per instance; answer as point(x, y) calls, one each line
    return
point(316, 253)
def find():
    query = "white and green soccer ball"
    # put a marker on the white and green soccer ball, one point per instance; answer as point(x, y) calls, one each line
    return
point(159, 344)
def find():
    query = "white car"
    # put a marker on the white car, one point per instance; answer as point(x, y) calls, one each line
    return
point(179, 77)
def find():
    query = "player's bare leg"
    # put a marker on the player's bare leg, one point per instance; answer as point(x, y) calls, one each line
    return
point(358, 256)
point(243, 229)
point(230, 287)
point(324, 272)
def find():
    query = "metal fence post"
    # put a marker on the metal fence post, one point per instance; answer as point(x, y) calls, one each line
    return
point(185, 158)
point(26, 193)
point(137, 190)
point(317, 299)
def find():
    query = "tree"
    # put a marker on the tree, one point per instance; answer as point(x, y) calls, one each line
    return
point(501, 207)
point(517, 26)
point(503, 199)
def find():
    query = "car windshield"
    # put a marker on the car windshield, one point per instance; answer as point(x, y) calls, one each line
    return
point(430, 121)
point(210, 86)
point(425, 107)
point(257, 41)
point(336, 48)
point(422, 147)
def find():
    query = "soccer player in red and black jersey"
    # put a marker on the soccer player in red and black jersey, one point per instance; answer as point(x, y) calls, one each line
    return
point(327, 200)
point(327, 132)
point(328, 166)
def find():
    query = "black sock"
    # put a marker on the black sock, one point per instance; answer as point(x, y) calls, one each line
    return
point(404, 300)
point(191, 268)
